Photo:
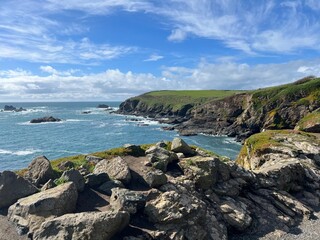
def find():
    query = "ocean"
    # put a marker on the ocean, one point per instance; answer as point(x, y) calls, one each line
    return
point(78, 133)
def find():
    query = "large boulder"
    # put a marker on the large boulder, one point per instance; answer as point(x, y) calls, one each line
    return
point(127, 200)
point(30, 212)
point(13, 187)
point(155, 178)
point(202, 170)
point(178, 145)
point(40, 171)
point(108, 186)
point(116, 168)
point(160, 157)
point(95, 180)
point(87, 225)
point(74, 176)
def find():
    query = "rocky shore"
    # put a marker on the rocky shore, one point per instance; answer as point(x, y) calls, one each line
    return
point(169, 190)
point(238, 115)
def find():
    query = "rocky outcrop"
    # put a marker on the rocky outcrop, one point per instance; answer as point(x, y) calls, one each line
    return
point(13, 109)
point(310, 123)
point(45, 119)
point(91, 225)
point(180, 146)
point(14, 187)
point(103, 106)
point(273, 187)
point(239, 115)
point(40, 171)
point(116, 168)
point(30, 212)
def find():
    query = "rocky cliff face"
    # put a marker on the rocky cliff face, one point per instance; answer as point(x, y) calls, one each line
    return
point(240, 115)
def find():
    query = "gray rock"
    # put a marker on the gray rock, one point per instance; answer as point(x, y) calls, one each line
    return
point(109, 185)
point(178, 145)
point(95, 180)
point(93, 159)
point(13, 187)
point(155, 178)
point(236, 214)
point(48, 185)
point(40, 171)
point(87, 225)
point(116, 168)
point(30, 212)
point(45, 119)
point(134, 150)
point(127, 200)
point(160, 157)
point(66, 165)
point(75, 177)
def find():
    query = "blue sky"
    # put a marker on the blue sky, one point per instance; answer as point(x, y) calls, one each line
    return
point(80, 50)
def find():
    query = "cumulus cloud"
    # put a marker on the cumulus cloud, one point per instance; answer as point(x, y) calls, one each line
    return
point(114, 84)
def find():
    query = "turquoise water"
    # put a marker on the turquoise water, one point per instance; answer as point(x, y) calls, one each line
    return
point(21, 141)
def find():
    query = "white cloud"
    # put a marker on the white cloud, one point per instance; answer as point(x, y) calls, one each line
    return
point(154, 58)
point(114, 84)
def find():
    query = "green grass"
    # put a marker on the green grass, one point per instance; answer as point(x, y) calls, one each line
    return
point(310, 119)
point(176, 100)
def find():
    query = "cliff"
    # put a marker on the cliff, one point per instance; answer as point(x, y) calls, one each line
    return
point(233, 113)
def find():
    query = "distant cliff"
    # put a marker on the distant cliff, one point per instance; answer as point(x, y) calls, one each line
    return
point(233, 113)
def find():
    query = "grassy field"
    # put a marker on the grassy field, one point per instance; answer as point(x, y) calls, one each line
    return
point(177, 99)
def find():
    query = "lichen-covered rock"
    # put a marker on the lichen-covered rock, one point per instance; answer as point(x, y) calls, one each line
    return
point(74, 176)
point(127, 200)
point(48, 185)
point(202, 170)
point(155, 178)
point(87, 225)
point(93, 159)
point(14, 187)
point(160, 157)
point(40, 171)
point(116, 168)
point(30, 212)
point(178, 145)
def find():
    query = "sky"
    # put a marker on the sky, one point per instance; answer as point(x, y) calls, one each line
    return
point(110, 50)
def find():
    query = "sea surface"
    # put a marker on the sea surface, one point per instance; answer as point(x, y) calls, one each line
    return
point(78, 133)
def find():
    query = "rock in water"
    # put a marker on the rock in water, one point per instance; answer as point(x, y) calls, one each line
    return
point(102, 106)
point(116, 168)
point(40, 171)
point(88, 225)
point(13, 187)
point(45, 119)
point(30, 212)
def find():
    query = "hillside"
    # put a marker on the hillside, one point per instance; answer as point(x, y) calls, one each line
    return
point(232, 113)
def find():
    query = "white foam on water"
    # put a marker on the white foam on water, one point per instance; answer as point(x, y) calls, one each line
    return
point(24, 152)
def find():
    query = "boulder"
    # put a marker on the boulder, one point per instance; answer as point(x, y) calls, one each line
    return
point(155, 178)
point(40, 171)
point(160, 157)
point(86, 225)
point(74, 176)
point(102, 106)
point(14, 187)
point(30, 212)
point(95, 180)
point(66, 165)
point(48, 185)
point(134, 150)
point(109, 185)
point(93, 159)
point(202, 170)
point(127, 200)
point(178, 145)
point(116, 168)
point(45, 119)
point(236, 214)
